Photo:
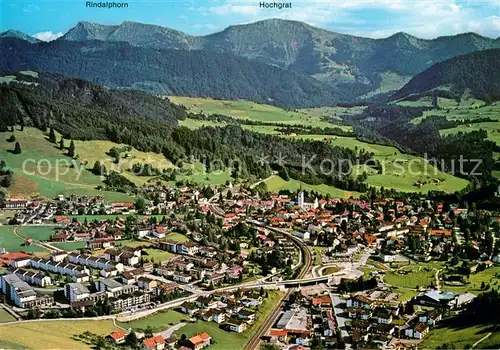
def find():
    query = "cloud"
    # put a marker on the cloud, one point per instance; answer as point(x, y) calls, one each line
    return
point(374, 18)
point(230, 8)
point(47, 36)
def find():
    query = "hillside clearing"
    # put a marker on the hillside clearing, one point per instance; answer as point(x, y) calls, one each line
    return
point(251, 111)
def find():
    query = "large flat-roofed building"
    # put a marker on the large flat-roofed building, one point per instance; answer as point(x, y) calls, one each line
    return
point(75, 292)
point(296, 322)
point(21, 293)
point(114, 288)
point(284, 319)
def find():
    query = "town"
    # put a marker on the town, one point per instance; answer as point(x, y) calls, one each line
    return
point(286, 270)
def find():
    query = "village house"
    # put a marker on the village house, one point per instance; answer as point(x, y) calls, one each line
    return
point(214, 315)
point(154, 343)
point(200, 341)
point(417, 331)
point(118, 337)
point(35, 278)
point(189, 308)
point(235, 325)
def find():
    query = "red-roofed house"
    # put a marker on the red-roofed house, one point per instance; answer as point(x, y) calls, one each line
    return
point(118, 337)
point(157, 343)
point(279, 334)
point(322, 301)
point(201, 340)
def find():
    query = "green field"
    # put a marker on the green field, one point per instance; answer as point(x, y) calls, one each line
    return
point(276, 183)
point(91, 151)
point(196, 124)
point(229, 340)
point(39, 233)
point(460, 336)
point(333, 112)
point(199, 175)
point(12, 243)
point(158, 322)
point(5, 316)
point(469, 108)
point(389, 81)
point(69, 246)
point(177, 237)
point(329, 270)
point(157, 255)
point(51, 334)
point(42, 169)
point(401, 171)
point(251, 111)
point(492, 128)
point(475, 280)
point(417, 276)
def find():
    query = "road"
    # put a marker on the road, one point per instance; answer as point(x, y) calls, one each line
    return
point(337, 310)
point(167, 333)
point(252, 186)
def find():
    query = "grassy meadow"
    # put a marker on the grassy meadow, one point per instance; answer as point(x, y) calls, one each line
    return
point(51, 334)
point(158, 322)
point(250, 111)
point(412, 276)
point(468, 108)
point(401, 171)
point(276, 183)
point(5, 317)
point(42, 169)
point(13, 243)
point(461, 336)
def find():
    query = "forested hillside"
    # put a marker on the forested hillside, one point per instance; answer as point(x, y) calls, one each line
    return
point(477, 72)
point(76, 107)
point(50, 102)
point(174, 72)
point(390, 124)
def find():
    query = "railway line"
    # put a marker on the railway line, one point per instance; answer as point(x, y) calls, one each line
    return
point(253, 343)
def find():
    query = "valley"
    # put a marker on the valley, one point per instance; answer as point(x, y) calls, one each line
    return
point(401, 171)
point(246, 182)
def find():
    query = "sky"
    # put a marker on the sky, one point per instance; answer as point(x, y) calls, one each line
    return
point(48, 19)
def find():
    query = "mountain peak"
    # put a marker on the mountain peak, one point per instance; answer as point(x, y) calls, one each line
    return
point(85, 30)
point(12, 33)
point(402, 35)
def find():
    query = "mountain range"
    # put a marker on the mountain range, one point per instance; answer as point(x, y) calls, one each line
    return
point(328, 56)
point(169, 72)
point(281, 62)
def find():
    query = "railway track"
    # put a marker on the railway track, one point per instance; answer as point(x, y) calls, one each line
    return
point(254, 342)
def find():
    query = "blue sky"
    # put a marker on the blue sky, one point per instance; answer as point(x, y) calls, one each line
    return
point(47, 19)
